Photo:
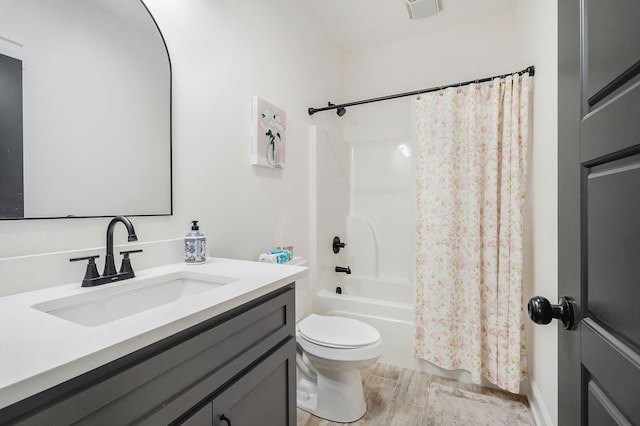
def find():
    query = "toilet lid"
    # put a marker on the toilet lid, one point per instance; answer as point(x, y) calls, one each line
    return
point(337, 332)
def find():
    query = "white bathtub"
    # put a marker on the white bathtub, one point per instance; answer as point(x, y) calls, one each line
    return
point(385, 304)
point(388, 306)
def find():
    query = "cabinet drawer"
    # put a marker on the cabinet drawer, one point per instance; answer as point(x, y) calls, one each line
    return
point(161, 382)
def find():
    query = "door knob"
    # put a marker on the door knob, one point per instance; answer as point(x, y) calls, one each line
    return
point(541, 311)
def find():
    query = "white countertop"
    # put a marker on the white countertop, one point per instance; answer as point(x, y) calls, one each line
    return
point(40, 350)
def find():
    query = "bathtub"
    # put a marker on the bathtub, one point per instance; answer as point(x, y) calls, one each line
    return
point(388, 306)
point(385, 304)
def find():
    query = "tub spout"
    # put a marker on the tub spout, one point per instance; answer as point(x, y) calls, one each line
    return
point(346, 270)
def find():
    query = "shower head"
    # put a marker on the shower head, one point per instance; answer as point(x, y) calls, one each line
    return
point(340, 111)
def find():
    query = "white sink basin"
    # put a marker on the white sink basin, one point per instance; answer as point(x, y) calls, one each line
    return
point(106, 304)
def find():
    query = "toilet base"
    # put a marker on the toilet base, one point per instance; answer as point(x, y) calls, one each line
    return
point(338, 396)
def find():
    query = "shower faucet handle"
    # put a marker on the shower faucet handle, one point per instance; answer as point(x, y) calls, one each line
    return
point(337, 245)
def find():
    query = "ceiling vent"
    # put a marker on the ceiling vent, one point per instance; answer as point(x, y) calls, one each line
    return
point(419, 9)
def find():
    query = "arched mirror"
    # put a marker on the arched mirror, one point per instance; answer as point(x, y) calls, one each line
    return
point(87, 130)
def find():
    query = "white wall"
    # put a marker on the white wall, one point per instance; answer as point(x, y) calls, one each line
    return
point(223, 53)
point(537, 37)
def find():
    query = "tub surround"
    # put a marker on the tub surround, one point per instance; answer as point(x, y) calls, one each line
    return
point(43, 350)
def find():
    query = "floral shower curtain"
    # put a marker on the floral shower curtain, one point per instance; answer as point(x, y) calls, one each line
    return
point(470, 177)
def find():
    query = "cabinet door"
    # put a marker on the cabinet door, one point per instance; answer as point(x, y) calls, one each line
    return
point(264, 395)
point(202, 417)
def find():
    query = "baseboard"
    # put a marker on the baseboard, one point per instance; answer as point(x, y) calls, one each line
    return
point(538, 409)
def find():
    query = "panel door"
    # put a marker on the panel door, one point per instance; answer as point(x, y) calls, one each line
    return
point(599, 210)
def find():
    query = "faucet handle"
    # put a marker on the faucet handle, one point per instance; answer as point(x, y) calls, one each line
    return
point(92, 271)
point(126, 252)
point(76, 259)
point(337, 244)
point(126, 267)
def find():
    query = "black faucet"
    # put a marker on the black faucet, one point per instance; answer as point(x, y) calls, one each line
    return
point(109, 264)
point(346, 270)
point(92, 277)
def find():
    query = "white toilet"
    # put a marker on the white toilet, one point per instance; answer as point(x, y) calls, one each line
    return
point(331, 352)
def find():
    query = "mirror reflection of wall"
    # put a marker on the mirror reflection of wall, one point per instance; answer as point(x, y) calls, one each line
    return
point(11, 189)
point(96, 107)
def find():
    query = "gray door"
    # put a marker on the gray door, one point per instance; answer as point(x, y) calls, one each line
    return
point(599, 210)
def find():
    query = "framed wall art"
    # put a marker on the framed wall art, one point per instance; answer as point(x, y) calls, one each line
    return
point(268, 141)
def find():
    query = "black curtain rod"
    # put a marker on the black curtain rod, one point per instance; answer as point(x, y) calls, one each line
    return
point(531, 70)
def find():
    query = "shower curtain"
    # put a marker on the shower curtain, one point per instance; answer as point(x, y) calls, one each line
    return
point(470, 177)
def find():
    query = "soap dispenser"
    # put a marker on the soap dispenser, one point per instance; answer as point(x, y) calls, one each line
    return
point(195, 246)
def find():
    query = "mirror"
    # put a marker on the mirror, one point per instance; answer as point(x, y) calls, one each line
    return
point(96, 110)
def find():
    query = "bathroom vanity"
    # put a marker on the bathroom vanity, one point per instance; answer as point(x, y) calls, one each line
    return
point(224, 355)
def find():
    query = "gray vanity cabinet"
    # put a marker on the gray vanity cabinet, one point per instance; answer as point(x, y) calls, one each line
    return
point(259, 397)
point(238, 366)
point(202, 417)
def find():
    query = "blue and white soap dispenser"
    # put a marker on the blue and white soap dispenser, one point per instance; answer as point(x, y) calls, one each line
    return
point(195, 246)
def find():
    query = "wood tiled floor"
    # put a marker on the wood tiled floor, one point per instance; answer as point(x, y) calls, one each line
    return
point(397, 396)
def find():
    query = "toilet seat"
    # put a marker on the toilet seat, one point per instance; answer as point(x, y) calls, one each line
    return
point(337, 332)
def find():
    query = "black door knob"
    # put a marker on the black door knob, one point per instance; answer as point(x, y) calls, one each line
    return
point(541, 311)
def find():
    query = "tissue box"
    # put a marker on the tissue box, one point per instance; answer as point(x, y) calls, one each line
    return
point(275, 256)
point(287, 248)
point(266, 257)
